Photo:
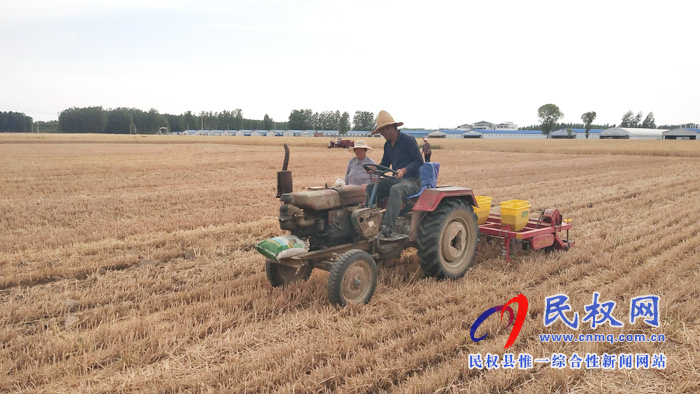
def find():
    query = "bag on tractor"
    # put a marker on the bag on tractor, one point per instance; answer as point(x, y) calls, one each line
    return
point(281, 247)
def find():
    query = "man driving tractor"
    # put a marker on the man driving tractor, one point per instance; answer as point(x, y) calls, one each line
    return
point(402, 154)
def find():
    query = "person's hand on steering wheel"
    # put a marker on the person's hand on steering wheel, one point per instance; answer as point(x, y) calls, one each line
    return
point(380, 170)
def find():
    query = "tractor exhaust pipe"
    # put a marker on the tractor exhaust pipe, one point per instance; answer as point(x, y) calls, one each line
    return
point(284, 177)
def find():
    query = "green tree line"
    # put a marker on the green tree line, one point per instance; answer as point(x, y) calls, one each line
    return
point(15, 122)
point(133, 120)
point(306, 119)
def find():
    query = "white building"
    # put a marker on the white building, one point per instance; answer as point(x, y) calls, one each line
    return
point(506, 126)
point(484, 125)
point(632, 133)
point(465, 127)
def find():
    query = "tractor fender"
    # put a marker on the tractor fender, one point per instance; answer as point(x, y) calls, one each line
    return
point(431, 198)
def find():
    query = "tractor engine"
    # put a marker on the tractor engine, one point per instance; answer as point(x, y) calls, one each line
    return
point(323, 215)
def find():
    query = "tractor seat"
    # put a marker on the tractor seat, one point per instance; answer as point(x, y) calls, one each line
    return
point(428, 178)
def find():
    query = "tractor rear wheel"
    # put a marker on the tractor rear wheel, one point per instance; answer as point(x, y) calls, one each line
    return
point(353, 278)
point(448, 239)
point(280, 275)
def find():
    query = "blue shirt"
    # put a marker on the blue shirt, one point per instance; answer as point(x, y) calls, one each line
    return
point(404, 154)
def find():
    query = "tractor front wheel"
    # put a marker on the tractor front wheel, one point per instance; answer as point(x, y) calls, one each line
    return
point(353, 278)
point(280, 275)
point(447, 240)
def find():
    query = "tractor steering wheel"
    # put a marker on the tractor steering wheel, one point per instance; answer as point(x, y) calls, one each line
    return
point(380, 170)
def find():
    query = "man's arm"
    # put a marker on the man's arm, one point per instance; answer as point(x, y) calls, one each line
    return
point(371, 175)
point(414, 154)
point(386, 159)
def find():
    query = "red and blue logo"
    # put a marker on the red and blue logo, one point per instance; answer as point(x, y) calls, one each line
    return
point(519, 318)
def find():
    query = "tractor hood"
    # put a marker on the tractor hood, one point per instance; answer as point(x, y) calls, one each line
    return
point(321, 199)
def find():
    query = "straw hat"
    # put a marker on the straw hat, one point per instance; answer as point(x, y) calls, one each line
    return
point(360, 144)
point(384, 119)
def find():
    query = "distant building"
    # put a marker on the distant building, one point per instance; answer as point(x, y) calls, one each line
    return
point(681, 133)
point(451, 133)
point(465, 127)
point(472, 134)
point(484, 125)
point(506, 126)
point(436, 134)
point(578, 134)
point(632, 133)
point(416, 133)
point(512, 134)
point(358, 133)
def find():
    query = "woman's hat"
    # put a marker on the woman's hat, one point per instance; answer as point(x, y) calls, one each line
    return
point(360, 144)
point(384, 119)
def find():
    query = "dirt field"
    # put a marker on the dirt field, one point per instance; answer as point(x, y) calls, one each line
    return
point(126, 265)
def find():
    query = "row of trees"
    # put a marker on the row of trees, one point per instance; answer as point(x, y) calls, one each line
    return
point(306, 119)
point(549, 114)
point(133, 120)
point(15, 122)
point(631, 120)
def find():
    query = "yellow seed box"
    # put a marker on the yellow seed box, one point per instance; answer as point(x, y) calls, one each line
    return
point(515, 213)
point(482, 212)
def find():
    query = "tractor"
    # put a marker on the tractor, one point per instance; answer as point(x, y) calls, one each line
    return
point(340, 231)
point(341, 143)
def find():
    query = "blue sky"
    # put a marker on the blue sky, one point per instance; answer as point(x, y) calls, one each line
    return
point(430, 64)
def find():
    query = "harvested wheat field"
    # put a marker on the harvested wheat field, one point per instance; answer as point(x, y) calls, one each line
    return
point(127, 265)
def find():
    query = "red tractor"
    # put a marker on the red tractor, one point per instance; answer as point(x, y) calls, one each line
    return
point(341, 143)
point(340, 233)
